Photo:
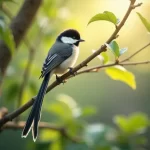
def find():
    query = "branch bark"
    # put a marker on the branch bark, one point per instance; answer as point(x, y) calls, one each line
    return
point(121, 63)
point(20, 110)
point(19, 27)
point(42, 125)
point(96, 68)
point(135, 53)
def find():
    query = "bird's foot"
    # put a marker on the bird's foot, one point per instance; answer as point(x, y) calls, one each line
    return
point(71, 71)
point(59, 80)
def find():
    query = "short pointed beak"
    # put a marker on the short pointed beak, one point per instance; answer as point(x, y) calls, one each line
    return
point(81, 40)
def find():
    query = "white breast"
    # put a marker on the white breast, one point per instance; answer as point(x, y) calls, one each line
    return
point(70, 62)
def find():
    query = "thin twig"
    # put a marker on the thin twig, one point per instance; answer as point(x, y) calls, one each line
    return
point(42, 125)
point(66, 75)
point(137, 5)
point(100, 50)
point(27, 70)
point(29, 62)
point(135, 53)
point(96, 68)
point(134, 63)
point(25, 78)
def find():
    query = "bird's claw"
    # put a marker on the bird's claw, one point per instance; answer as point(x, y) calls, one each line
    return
point(71, 71)
point(59, 80)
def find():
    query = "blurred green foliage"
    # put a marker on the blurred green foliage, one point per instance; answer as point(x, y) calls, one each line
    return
point(145, 22)
point(127, 134)
point(6, 35)
point(91, 125)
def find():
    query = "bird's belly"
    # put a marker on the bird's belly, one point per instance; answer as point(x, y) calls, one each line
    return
point(70, 62)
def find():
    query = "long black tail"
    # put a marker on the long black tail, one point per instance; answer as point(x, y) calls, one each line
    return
point(34, 117)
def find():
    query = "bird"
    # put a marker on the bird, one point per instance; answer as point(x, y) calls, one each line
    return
point(62, 56)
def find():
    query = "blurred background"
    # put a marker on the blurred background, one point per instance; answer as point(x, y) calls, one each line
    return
point(95, 91)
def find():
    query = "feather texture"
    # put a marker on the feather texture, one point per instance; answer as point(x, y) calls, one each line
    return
point(34, 117)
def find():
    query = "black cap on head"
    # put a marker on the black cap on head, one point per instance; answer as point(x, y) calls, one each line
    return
point(72, 33)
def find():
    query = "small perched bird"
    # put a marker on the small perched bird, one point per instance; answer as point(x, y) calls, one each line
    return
point(61, 56)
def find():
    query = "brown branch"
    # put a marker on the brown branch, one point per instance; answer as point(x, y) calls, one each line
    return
point(137, 5)
point(66, 75)
point(135, 63)
point(29, 62)
point(100, 50)
point(96, 68)
point(19, 26)
point(135, 53)
point(42, 125)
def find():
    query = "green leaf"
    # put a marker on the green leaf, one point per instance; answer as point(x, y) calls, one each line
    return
point(144, 21)
point(61, 110)
point(123, 50)
point(66, 108)
point(88, 111)
point(6, 35)
point(122, 122)
point(114, 47)
point(49, 135)
point(138, 122)
point(120, 73)
point(135, 123)
point(106, 15)
point(103, 57)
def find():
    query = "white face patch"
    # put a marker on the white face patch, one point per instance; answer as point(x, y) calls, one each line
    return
point(68, 40)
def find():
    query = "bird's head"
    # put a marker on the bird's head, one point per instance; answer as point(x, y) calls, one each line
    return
point(70, 36)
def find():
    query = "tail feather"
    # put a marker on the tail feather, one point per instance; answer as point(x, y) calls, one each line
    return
point(29, 122)
point(34, 117)
point(38, 113)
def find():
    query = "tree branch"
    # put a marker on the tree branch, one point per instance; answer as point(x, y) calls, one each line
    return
point(121, 63)
point(96, 68)
point(29, 62)
point(135, 53)
point(66, 75)
point(135, 63)
point(42, 125)
point(100, 50)
point(19, 26)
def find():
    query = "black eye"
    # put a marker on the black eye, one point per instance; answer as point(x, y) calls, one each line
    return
point(73, 37)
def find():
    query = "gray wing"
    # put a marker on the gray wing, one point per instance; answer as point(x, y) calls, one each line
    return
point(57, 54)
